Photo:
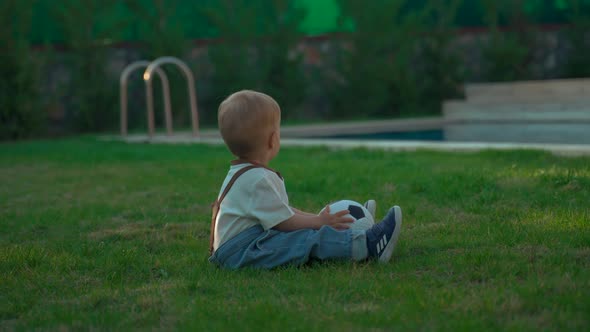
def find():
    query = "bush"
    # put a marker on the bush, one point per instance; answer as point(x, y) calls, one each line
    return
point(257, 51)
point(507, 56)
point(20, 114)
point(371, 76)
point(396, 60)
point(437, 66)
point(161, 35)
point(91, 93)
point(398, 57)
point(578, 36)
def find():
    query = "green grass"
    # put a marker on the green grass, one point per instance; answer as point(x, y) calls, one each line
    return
point(104, 235)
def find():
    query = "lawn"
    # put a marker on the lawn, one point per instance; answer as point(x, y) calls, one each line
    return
point(110, 236)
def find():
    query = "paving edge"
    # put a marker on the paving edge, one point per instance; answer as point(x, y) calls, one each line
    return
point(556, 149)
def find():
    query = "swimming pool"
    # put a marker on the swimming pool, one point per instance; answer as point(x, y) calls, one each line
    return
point(417, 135)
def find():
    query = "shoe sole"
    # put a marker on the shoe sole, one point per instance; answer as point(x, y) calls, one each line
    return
point(371, 206)
point(388, 251)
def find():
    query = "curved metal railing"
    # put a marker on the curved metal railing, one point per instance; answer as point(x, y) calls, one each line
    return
point(148, 76)
point(123, 93)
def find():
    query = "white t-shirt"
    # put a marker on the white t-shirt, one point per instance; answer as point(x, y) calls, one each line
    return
point(258, 197)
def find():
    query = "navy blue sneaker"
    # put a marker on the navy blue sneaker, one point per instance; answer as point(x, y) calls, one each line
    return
point(382, 237)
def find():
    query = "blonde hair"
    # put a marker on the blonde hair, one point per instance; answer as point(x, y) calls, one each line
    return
point(246, 119)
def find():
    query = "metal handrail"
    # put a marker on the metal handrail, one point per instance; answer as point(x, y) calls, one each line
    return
point(147, 76)
point(123, 92)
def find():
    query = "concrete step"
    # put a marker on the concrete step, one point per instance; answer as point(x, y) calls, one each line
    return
point(514, 132)
point(545, 90)
point(564, 111)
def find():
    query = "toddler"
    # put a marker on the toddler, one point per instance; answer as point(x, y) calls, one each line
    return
point(253, 223)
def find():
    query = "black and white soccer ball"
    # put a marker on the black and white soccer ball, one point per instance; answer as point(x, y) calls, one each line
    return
point(363, 219)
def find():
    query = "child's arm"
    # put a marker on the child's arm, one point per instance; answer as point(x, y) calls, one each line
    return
point(312, 221)
point(297, 211)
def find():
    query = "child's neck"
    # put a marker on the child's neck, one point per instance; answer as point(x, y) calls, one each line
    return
point(260, 160)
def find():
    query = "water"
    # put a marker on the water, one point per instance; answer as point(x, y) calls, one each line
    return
point(419, 135)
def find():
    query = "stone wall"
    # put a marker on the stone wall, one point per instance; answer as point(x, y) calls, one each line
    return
point(317, 53)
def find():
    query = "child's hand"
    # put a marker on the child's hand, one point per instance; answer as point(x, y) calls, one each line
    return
point(336, 220)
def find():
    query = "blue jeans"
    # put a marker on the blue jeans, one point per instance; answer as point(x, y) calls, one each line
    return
point(258, 248)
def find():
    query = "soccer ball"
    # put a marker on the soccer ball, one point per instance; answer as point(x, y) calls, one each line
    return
point(363, 219)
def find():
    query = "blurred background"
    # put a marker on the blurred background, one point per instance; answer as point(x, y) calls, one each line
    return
point(323, 60)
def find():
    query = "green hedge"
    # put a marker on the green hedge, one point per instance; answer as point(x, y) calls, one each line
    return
point(20, 115)
point(322, 16)
point(397, 58)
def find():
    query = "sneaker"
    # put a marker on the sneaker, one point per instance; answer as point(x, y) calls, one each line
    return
point(382, 237)
point(371, 205)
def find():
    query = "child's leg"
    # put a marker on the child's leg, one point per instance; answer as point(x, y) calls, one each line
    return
point(268, 249)
point(359, 238)
point(326, 243)
point(272, 248)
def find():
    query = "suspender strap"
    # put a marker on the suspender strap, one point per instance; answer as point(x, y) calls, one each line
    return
point(245, 161)
point(217, 202)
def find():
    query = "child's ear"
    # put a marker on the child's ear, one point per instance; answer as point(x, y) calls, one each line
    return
point(272, 139)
